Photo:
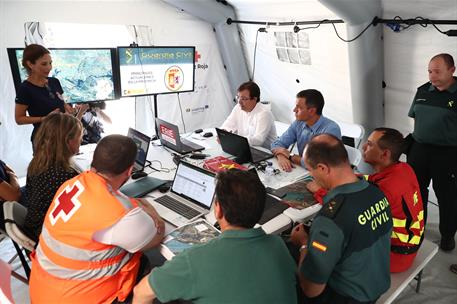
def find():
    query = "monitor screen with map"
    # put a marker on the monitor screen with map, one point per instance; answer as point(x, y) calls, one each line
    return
point(86, 74)
point(156, 70)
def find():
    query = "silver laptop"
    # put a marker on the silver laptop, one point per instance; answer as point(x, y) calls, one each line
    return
point(169, 137)
point(190, 196)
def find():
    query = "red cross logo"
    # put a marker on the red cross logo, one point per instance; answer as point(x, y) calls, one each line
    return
point(66, 203)
point(197, 56)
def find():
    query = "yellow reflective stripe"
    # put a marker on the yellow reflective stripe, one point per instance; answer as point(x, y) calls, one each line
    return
point(366, 177)
point(416, 225)
point(420, 216)
point(415, 240)
point(398, 222)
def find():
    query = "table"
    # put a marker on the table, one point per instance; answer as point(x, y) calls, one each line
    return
point(161, 159)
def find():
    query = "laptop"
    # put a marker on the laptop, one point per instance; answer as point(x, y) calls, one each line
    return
point(273, 205)
point(142, 142)
point(238, 146)
point(191, 195)
point(143, 186)
point(169, 137)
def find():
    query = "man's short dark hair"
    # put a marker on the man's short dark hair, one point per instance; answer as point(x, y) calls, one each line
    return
point(391, 140)
point(314, 99)
point(252, 87)
point(241, 196)
point(448, 59)
point(114, 154)
point(326, 149)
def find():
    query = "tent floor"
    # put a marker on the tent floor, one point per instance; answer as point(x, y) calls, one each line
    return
point(439, 284)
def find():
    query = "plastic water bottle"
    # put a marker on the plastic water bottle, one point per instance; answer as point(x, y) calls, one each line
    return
point(269, 173)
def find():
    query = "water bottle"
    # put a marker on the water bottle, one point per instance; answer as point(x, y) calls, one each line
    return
point(269, 173)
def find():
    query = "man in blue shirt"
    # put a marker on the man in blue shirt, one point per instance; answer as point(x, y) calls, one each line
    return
point(309, 122)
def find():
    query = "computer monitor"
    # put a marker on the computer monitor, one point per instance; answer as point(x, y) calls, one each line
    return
point(156, 70)
point(86, 74)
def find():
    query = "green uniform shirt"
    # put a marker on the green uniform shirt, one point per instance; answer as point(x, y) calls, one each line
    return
point(435, 115)
point(349, 242)
point(240, 266)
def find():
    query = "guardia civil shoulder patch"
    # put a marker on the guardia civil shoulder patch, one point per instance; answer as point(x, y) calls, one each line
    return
point(319, 246)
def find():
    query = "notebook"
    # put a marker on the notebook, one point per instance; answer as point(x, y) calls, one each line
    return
point(142, 142)
point(141, 187)
point(238, 146)
point(190, 196)
point(169, 137)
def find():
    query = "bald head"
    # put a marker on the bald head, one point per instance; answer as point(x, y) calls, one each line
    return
point(447, 59)
point(326, 149)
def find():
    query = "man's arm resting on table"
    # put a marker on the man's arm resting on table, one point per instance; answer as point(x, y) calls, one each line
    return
point(310, 289)
point(158, 221)
point(143, 293)
point(299, 237)
point(136, 231)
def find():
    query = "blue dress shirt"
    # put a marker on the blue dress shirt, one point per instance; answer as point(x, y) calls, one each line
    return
point(299, 132)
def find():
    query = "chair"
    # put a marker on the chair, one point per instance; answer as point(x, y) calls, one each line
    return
point(355, 156)
point(399, 281)
point(352, 133)
point(14, 217)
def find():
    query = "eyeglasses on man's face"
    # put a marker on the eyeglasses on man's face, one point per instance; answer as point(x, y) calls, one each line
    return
point(242, 98)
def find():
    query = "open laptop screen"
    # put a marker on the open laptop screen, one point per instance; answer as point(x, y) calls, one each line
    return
point(142, 142)
point(194, 183)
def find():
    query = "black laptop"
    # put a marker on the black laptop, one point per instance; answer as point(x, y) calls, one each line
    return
point(143, 186)
point(273, 206)
point(238, 146)
point(142, 142)
point(169, 137)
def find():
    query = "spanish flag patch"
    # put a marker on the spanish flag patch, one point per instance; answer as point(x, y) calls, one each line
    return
point(319, 246)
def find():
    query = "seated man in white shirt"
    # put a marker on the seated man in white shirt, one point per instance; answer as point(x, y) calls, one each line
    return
point(250, 118)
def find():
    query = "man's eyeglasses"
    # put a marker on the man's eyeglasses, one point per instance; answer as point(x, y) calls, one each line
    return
point(243, 99)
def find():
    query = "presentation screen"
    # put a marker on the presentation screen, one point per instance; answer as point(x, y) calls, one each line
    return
point(86, 75)
point(156, 70)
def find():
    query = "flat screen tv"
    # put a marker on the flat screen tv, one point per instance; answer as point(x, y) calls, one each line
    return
point(86, 74)
point(156, 70)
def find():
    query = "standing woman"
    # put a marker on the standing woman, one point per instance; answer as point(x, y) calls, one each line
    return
point(39, 94)
point(57, 140)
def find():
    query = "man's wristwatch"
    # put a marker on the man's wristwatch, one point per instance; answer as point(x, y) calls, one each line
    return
point(303, 247)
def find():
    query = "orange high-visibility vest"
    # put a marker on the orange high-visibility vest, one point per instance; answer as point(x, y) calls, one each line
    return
point(68, 266)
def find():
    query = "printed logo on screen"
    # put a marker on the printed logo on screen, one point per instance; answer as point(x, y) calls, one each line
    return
point(174, 78)
point(168, 134)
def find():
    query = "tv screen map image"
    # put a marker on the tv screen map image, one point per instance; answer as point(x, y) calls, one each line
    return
point(85, 74)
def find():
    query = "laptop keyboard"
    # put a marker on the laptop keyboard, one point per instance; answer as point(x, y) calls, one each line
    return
point(177, 206)
point(188, 145)
point(259, 155)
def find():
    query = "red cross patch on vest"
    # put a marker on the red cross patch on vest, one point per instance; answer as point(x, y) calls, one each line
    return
point(66, 203)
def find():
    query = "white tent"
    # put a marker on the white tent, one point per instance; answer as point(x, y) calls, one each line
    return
point(350, 75)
